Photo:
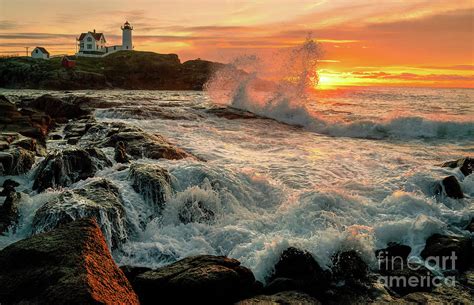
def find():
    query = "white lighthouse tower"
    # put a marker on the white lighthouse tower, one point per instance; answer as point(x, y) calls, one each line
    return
point(127, 36)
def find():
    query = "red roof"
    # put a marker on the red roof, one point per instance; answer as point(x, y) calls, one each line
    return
point(97, 36)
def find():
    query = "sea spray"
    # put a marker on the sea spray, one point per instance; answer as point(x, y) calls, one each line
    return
point(282, 86)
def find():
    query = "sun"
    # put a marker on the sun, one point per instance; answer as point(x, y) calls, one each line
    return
point(331, 80)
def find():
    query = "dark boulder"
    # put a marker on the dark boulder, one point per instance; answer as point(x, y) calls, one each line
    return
point(16, 161)
point(152, 182)
point(138, 143)
point(55, 136)
point(69, 265)
point(31, 124)
point(10, 182)
point(56, 107)
point(349, 266)
point(233, 113)
point(296, 264)
point(393, 251)
point(99, 200)
point(451, 188)
point(466, 165)
point(8, 187)
point(75, 129)
point(196, 211)
point(65, 167)
point(8, 112)
point(131, 272)
point(141, 144)
point(285, 297)
point(406, 277)
point(442, 247)
point(121, 153)
point(9, 210)
point(11, 139)
point(297, 269)
point(201, 279)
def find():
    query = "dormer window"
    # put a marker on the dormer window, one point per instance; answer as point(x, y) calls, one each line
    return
point(89, 38)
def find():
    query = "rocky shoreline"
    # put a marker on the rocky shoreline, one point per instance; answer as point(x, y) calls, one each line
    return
point(67, 260)
point(123, 69)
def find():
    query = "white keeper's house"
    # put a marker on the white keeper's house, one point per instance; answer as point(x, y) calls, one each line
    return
point(93, 44)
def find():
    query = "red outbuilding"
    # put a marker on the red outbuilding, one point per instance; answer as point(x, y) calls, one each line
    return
point(68, 63)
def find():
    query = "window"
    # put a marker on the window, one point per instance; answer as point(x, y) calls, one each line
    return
point(89, 46)
point(89, 39)
point(82, 45)
point(37, 51)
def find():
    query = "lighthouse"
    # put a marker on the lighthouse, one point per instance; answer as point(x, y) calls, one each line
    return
point(127, 36)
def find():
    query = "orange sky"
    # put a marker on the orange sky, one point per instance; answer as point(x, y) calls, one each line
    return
point(365, 42)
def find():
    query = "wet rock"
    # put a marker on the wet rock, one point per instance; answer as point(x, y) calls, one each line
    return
point(201, 279)
point(16, 161)
point(450, 187)
point(195, 211)
point(141, 144)
point(14, 139)
point(393, 252)
point(8, 187)
point(77, 128)
point(152, 182)
point(232, 113)
point(9, 210)
point(296, 264)
point(466, 165)
point(297, 269)
point(65, 167)
point(152, 112)
point(286, 297)
point(55, 136)
point(138, 144)
point(69, 265)
point(131, 272)
point(10, 182)
point(121, 153)
point(56, 107)
point(442, 247)
point(349, 266)
point(283, 284)
point(404, 278)
point(99, 200)
point(440, 295)
point(31, 124)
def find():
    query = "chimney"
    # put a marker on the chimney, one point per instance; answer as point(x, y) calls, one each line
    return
point(94, 31)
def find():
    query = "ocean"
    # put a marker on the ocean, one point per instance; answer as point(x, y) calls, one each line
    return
point(350, 168)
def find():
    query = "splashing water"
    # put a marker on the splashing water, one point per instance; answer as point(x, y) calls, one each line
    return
point(282, 86)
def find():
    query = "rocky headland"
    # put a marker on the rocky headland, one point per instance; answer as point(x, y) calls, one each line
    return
point(124, 70)
point(67, 258)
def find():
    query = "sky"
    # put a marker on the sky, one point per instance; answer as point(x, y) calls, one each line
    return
point(365, 42)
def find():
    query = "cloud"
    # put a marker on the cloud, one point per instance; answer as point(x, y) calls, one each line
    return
point(412, 76)
point(455, 67)
point(8, 24)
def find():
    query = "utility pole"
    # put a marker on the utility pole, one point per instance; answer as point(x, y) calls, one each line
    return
point(27, 51)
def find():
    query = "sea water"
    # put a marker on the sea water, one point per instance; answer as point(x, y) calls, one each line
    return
point(350, 168)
